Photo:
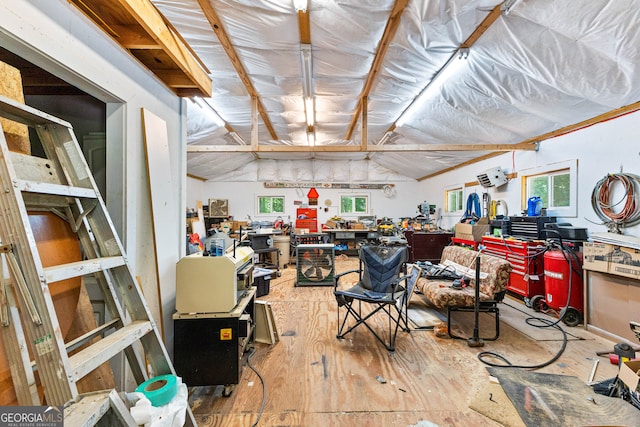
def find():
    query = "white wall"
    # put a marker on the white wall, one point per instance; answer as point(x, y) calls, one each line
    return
point(242, 199)
point(54, 35)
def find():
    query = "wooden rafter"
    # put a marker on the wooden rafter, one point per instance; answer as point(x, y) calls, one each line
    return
point(141, 29)
point(304, 27)
point(581, 125)
point(362, 148)
point(223, 37)
point(387, 36)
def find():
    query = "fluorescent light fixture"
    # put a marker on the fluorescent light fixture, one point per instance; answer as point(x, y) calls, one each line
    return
point(202, 103)
point(455, 62)
point(307, 70)
point(309, 110)
point(385, 138)
point(300, 5)
point(237, 138)
point(509, 5)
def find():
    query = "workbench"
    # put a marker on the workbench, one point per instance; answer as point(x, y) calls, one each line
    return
point(346, 240)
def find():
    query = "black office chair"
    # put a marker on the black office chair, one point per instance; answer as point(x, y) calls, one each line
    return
point(382, 285)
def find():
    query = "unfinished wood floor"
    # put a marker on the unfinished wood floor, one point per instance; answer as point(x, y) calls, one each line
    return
point(314, 379)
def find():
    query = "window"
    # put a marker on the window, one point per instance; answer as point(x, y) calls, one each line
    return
point(453, 200)
point(556, 186)
point(270, 205)
point(354, 204)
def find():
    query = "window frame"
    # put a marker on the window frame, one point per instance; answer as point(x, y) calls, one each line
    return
point(570, 166)
point(265, 196)
point(447, 190)
point(366, 196)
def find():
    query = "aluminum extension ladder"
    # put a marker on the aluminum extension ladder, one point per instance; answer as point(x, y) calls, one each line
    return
point(62, 183)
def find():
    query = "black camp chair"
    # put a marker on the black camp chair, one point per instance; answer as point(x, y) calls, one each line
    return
point(382, 286)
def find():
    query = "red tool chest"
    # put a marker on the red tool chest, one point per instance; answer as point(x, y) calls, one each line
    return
point(526, 258)
point(307, 218)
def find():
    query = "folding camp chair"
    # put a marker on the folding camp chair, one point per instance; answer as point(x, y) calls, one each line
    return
point(381, 286)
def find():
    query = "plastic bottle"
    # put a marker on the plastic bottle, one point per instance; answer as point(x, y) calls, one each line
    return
point(534, 206)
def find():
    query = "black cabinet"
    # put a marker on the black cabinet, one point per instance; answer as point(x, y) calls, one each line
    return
point(427, 245)
point(209, 347)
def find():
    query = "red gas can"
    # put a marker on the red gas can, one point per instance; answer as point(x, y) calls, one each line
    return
point(559, 267)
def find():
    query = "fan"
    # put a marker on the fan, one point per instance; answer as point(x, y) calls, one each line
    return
point(218, 208)
point(315, 265)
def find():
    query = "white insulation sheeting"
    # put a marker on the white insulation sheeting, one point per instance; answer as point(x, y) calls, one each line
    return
point(545, 65)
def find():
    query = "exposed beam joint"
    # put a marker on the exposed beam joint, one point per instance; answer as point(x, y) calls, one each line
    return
point(137, 26)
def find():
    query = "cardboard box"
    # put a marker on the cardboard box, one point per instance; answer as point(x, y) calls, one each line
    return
point(630, 374)
point(472, 232)
point(612, 259)
point(331, 224)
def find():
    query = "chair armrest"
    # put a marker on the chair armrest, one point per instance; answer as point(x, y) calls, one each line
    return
point(397, 281)
point(337, 277)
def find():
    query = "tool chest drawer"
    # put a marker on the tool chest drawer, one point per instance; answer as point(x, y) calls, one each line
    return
point(526, 259)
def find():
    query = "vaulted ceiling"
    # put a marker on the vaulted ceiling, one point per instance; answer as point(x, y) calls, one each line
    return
point(372, 82)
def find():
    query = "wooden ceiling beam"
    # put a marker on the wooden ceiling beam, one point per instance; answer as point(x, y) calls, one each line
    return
point(389, 31)
point(351, 148)
point(486, 23)
point(581, 125)
point(304, 26)
point(223, 37)
point(130, 37)
point(137, 25)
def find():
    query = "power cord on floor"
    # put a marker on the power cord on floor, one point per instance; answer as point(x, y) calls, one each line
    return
point(264, 386)
point(545, 324)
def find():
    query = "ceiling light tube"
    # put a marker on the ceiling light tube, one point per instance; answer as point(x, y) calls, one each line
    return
point(202, 103)
point(307, 70)
point(300, 5)
point(237, 138)
point(453, 64)
point(309, 111)
point(385, 138)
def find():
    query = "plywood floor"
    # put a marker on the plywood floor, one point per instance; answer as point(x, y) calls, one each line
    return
point(314, 379)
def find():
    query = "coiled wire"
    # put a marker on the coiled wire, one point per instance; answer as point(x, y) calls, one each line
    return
point(620, 213)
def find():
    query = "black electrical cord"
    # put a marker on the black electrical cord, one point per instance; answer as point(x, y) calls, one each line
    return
point(264, 386)
point(545, 323)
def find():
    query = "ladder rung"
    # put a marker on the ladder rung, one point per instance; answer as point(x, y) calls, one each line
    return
point(81, 268)
point(81, 340)
point(89, 409)
point(55, 189)
point(95, 355)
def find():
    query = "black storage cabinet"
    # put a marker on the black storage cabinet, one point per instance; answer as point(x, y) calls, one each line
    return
point(209, 347)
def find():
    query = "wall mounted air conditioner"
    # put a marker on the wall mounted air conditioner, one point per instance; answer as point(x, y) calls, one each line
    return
point(494, 177)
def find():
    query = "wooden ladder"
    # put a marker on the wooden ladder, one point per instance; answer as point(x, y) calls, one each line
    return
point(62, 183)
